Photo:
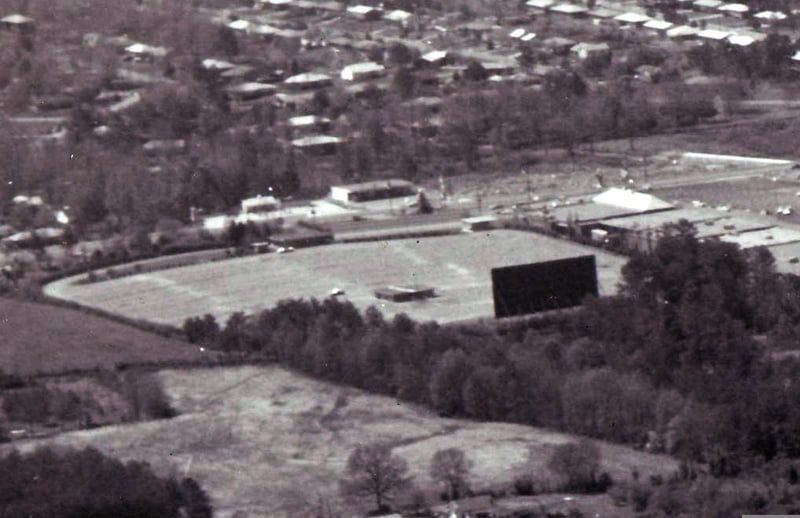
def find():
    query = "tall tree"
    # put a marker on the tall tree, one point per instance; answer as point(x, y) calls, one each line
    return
point(373, 471)
point(451, 468)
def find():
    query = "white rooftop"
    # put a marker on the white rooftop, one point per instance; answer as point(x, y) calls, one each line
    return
point(239, 25)
point(770, 15)
point(308, 77)
point(517, 33)
point(143, 48)
point(658, 25)
point(741, 40)
point(398, 15)
point(713, 34)
point(528, 37)
point(16, 19)
point(632, 200)
point(734, 8)
point(434, 55)
point(352, 71)
point(568, 9)
point(632, 18)
point(682, 31)
point(216, 64)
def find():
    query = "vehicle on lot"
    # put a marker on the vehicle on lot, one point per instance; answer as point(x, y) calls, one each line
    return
point(335, 292)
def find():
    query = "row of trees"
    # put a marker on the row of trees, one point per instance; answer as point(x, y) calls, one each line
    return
point(374, 471)
point(86, 483)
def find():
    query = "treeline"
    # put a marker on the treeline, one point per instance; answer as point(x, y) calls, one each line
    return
point(678, 362)
point(87, 484)
point(97, 399)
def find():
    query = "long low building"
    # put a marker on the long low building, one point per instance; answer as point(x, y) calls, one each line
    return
point(370, 191)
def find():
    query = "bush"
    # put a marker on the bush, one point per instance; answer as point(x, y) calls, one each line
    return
point(523, 485)
point(578, 464)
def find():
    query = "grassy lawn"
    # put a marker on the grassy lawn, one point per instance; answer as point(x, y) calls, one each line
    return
point(458, 267)
point(269, 442)
point(38, 338)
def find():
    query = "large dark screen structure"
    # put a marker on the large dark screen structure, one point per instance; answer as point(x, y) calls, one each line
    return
point(530, 288)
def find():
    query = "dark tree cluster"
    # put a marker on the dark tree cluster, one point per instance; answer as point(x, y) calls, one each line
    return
point(88, 484)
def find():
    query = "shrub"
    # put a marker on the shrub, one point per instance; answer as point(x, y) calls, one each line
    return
point(523, 485)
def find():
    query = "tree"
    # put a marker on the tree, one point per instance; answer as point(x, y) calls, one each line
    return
point(578, 463)
point(372, 470)
point(451, 467)
point(447, 382)
point(475, 72)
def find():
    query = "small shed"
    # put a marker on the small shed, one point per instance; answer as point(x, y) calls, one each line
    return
point(405, 293)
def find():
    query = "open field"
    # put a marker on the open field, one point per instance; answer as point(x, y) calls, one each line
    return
point(457, 266)
point(272, 443)
point(38, 338)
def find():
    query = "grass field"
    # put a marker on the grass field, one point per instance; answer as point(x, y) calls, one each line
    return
point(38, 338)
point(457, 266)
point(273, 443)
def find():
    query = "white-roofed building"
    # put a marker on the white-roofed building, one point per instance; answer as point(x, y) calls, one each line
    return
point(631, 18)
point(587, 50)
point(706, 5)
point(364, 12)
point(770, 16)
point(239, 25)
point(713, 35)
point(517, 33)
point(317, 144)
point(575, 10)
point(216, 64)
point(741, 40)
point(541, 5)
point(142, 50)
point(260, 204)
point(362, 71)
point(682, 32)
point(398, 15)
point(631, 200)
point(734, 9)
point(658, 25)
point(308, 81)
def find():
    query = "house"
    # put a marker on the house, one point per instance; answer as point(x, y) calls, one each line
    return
point(558, 45)
point(590, 50)
point(317, 144)
point(540, 5)
point(18, 23)
point(260, 204)
point(239, 25)
point(216, 65)
point(435, 58)
point(308, 81)
point(145, 52)
point(574, 10)
point(303, 124)
point(631, 18)
point(658, 26)
point(164, 147)
point(735, 10)
point(362, 71)
point(682, 32)
point(365, 13)
point(713, 35)
point(708, 6)
point(398, 16)
point(249, 91)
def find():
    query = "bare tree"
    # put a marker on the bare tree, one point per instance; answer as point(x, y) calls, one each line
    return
point(451, 468)
point(372, 470)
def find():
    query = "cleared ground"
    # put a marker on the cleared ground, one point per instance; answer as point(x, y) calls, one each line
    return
point(457, 266)
point(38, 338)
point(273, 443)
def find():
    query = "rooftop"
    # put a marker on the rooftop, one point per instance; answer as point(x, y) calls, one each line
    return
point(632, 18)
point(632, 200)
point(376, 184)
